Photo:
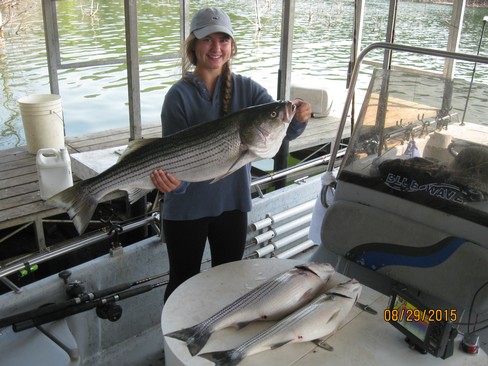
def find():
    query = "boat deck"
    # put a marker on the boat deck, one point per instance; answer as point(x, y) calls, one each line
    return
point(20, 202)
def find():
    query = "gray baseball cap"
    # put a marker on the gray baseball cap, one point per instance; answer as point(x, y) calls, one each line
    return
point(210, 20)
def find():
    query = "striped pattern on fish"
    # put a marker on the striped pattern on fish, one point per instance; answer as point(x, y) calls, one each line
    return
point(206, 151)
point(271, 300)
point(318, 319)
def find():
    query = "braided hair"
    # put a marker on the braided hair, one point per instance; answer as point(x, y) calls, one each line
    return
point(190, 60)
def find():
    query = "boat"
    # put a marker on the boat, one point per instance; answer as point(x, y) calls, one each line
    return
point(403, 215)
point(402, 209)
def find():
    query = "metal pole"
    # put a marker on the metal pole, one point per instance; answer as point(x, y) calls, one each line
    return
point(51, 35)
point(485, 19)
point(284, 75)
point(132, 59)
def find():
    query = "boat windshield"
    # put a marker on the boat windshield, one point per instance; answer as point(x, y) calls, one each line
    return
point(415, 139)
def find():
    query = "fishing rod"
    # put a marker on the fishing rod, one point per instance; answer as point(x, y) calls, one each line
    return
point(76, 309)
point(80, 299)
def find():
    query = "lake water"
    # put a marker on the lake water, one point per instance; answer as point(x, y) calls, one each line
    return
point(95, 98)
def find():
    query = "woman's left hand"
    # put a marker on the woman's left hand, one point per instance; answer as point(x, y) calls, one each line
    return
point(304, 110)
point(164, 182)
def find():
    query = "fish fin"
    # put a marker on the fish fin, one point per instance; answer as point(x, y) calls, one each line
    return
point(136, 193)
point(321, 342)
point(326, 298)
point(195, 338)
point(182, 334)
point(242, 160)
point(334, 315)
point(135, 145)
point(79, 204)
point(221, 358)
point(242, 324)
point(307, 295)
point(280, 344)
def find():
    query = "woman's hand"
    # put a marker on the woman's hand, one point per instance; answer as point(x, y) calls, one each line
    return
point(164, 182)
point(304, 110)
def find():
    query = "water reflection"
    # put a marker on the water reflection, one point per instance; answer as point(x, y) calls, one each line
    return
point(95, 98)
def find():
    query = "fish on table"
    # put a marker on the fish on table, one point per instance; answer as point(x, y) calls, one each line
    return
point(272, 300)
point(208, 151)
point(318, 319)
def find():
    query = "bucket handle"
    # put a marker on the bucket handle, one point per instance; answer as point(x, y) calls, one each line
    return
point(52, 111)
point(61, 118)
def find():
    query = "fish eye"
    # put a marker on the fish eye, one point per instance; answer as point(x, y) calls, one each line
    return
point(273, 114)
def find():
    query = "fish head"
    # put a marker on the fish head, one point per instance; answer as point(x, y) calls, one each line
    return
point(323, 270)
point(263, 127)
point(350, 289)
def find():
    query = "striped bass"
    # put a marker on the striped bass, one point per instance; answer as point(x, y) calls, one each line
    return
point(271, 300)
point(210, 150)
point(318, 319)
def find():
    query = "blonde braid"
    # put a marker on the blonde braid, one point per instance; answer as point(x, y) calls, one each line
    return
point(226, 88)
point(227, 81)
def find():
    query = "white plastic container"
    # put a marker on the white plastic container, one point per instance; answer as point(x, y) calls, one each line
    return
point(42, 117)
point(317, 96)
point(54, 171)
point(437, 147)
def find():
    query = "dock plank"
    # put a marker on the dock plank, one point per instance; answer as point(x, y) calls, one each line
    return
point(17, 190)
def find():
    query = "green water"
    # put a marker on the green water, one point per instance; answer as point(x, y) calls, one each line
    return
point(95, 98)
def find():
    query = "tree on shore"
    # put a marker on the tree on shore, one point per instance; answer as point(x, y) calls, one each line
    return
point(480, 3)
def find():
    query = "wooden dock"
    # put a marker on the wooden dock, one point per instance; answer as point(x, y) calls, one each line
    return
point(21, 206)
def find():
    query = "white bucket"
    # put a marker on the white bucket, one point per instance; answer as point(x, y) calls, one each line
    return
point(42, 117)
point(53, 171)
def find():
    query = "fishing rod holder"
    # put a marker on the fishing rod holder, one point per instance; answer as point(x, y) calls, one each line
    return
point(71, 246)
point(113, 230)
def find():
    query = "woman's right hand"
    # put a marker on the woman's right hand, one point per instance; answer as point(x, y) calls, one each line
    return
point(164, 182)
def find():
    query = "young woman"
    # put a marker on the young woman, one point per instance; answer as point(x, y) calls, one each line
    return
point(193, 213)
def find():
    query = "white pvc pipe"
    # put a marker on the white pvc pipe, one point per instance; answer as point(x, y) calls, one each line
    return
point(261, 252)
point(261, 238)
point(272, 219)
point(291, 238)
point(296, 249)
point(261, 224)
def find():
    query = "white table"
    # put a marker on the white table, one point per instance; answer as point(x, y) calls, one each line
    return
point(363, 339)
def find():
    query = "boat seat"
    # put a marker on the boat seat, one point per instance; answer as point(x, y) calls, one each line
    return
point(448, 267)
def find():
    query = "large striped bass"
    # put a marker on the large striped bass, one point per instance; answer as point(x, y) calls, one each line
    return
point(271, 300)
point(318, 319)
point(206, 151)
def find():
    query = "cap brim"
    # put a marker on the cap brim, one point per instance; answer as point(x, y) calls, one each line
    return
point(203, 32)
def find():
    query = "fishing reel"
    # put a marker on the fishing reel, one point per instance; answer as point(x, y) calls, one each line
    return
point(110, 311)
point(76, 289)
point(73, 288)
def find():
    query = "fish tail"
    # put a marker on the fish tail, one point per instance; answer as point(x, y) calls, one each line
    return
point(79, 204)
point(195, 338)
point(224, 358)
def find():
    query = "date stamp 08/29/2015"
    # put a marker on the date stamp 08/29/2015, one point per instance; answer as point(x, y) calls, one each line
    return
point(420, 315)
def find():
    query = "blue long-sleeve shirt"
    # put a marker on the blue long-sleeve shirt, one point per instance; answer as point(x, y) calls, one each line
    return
point(188, 103)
